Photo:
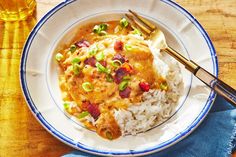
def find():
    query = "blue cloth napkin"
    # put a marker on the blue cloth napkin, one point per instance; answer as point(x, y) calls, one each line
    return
point(215, 137)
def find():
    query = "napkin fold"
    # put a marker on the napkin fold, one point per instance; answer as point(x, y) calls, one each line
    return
point(215, 137)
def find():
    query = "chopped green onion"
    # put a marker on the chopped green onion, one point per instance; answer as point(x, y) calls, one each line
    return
point(87, 86)
point(123, 85)
point(109, 135)
point(126, 78)
point(128, 47)
point(73, 48)
point(96, 29)
point(100, 56)
point(76, 68)
point(103, 26)
point(93, 50)
point(103, 69)
point(100, 29)
point(109, 78)
point(164, 86)
point(138, 32)
point(66, 106)
point(75, 60)
point(100, 67)
point(116, 63)
point(108, 71)
point(123, 22)
point(83, 114)
point(59, 57)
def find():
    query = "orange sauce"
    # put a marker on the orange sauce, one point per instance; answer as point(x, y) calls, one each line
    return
point(104, 93)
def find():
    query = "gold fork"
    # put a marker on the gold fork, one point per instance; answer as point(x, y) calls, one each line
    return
point(157, 38)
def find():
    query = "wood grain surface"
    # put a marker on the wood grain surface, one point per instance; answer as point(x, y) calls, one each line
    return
point(22, 135)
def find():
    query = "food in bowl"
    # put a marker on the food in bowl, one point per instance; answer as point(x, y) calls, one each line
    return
point(114, 83)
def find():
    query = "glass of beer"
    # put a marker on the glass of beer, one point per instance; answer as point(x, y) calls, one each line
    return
point(15, 10)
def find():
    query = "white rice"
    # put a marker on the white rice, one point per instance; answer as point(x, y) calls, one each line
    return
point(157, 105)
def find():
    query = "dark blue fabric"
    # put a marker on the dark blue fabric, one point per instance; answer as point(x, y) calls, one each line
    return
point(215, 137)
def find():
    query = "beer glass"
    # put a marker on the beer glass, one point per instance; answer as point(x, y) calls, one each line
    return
point(15, 10)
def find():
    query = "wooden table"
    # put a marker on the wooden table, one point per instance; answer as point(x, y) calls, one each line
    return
point(20, 132)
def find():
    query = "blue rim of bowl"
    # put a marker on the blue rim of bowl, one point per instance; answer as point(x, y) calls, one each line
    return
point(85, 148)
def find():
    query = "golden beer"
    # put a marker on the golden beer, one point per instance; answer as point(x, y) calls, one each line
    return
point(14, 10)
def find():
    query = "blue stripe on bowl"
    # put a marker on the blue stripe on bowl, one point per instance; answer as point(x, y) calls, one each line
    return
point(83, 147)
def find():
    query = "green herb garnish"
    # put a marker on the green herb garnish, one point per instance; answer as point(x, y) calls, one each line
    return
point(59, 57)
point(87, 86)
point(126, 78)
point(124, 22)
point(136, 31)
point(76, 68)
point(123, 85)
point(103, 69)
point(93, 50)
point(83, 114)
point(128, 47)
point(109, 135)
point(66, 106)
point(163, 86)
point(109, 78)
point(100, 29)
point(116, 63)
point(75, 60)
point(100, 56)
point(73, 48)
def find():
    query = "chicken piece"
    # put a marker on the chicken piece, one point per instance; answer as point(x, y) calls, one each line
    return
point(107, 126)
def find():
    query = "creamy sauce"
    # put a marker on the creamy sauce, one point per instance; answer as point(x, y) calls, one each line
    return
point(106, 94)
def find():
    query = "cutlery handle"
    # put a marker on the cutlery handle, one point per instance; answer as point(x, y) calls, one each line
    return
point(210, 80)
point(216, 84)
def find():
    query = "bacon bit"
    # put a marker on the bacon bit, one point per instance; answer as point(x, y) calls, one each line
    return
point(125, 93)
point(91, 108)
point(82, 43)
point(120, 73)
point(144, 86)
point(118, 46)
point(128, 68)
point(119, 57)
point(90, 61)
point(94, 110)
point(104, 63)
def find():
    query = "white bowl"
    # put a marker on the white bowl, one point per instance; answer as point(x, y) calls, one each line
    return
point(39, 78)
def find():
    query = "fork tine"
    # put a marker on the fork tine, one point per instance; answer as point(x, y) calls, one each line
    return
point(145, 21)
point(138, 24)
